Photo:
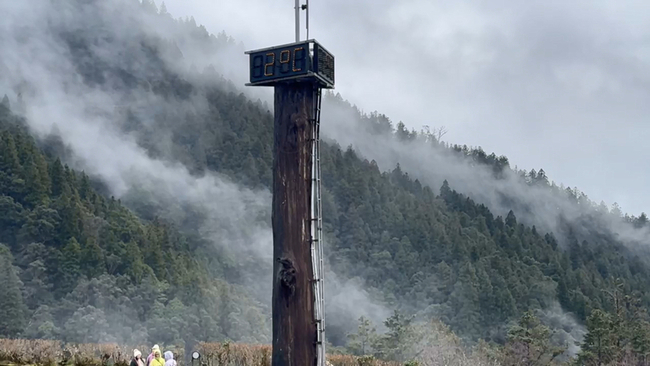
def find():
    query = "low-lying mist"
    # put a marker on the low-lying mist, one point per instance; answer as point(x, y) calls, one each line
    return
point(431, 164)
point(81, 102)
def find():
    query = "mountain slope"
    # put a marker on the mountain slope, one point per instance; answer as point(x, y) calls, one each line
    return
point(423, 248)
point(91, 271)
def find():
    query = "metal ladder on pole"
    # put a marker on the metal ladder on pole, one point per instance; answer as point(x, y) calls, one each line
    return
point(317, 232)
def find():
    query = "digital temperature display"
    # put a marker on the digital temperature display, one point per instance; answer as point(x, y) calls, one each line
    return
point(280, 63)
point(306, 60)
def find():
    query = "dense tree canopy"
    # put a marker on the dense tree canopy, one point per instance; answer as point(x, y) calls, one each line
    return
point(81, 265)
point(87, 269)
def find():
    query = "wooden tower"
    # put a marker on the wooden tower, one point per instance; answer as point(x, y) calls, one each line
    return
point(297, 72)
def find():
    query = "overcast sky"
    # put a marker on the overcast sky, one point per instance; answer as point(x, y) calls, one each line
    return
point(558, 85)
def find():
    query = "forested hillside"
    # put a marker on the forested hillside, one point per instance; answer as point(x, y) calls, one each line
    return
point(86, 269)
point(588, 251)
point(187, 263)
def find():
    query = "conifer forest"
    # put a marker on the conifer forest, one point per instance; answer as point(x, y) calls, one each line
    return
point(135, 209)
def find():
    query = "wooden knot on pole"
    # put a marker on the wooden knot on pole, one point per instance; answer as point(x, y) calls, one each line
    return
point(287, 275)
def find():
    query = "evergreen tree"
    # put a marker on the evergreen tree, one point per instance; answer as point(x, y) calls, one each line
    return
point(69, 269)
point(398, 342)
point(163, 9)
point(598, 347)
point(12, 307)
point(5, 102)
point(529, 343)
point(360, 343)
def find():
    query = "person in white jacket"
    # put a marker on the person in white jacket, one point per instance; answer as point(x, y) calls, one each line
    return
point(169, 359)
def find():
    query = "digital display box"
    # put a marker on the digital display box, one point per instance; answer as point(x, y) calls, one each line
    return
point(294, 62)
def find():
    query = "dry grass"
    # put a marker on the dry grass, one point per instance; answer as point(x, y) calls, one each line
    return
point(217, 354)
point(345, 360)
point(20, 351)
point(55, 353)
point(50, 353)
point(231, 354)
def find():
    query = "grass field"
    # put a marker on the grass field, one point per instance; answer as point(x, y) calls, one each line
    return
point(14, 352)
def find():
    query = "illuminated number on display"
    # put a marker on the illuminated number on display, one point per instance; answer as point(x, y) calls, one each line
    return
point(298, 56)
point(270, 64)
point(284, 63)
point(258, 63)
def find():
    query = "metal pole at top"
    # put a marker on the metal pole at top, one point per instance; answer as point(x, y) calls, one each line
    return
point(297, 20)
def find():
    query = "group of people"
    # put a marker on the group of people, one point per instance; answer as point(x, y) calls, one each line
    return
point(154, 358)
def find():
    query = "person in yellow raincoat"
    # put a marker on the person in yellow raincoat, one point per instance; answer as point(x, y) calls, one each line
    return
point(150, 357)
point(157, 359)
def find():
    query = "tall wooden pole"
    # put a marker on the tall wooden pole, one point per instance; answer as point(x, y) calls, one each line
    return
point(294, 330)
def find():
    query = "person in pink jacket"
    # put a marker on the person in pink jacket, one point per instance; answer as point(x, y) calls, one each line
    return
point(151, 355)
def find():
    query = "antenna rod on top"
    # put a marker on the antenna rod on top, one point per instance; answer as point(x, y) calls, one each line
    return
point(297, 20)
point(307, 17)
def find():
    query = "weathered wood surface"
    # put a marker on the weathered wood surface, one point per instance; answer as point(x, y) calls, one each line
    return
point(294, 330)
